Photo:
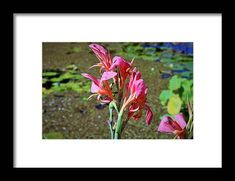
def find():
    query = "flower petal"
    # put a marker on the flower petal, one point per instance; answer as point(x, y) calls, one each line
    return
point(106, 100)
point(139, 87)
point(108, 75)
point(97, 48)
point(94, 88)
point(131, 110)
point(180, 120)
point(119, 61)
point(149, 115)
point(134, 110)
point(164, 125)
point(96, 65)
point(94, 79)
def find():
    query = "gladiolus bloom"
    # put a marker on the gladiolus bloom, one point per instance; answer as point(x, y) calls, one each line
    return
point(136, 98)
point(130, 99)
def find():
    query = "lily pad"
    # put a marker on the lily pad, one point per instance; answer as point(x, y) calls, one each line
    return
point(187, 75)
point(49, 74)
point(189, 65)
point(167, 60)
point(67, 75)
point(72, 67)
point(45, 91)
point(71, 86)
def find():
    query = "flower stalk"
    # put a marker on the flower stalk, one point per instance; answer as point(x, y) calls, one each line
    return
point(118, 129)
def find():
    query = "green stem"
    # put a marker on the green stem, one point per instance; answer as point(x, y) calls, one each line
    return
point(112, 105)
point(118, 129)
point(189, 123)
point(110, 122)
point(191, 127)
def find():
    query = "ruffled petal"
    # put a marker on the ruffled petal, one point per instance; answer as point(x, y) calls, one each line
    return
point(108, 75)
point(119, 61)
point(180, 120)
point(165, 126)
point(98, 48)
point(149, 115)
point(88, 76)
point(94, 88)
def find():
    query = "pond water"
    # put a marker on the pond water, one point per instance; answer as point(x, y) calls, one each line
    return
point(67, 114)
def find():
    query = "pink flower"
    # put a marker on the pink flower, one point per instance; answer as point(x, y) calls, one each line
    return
point(130, 99)
point(124, 68)
point(136, 98)
point(103, 55)
point(173, 125)
point(101, 86)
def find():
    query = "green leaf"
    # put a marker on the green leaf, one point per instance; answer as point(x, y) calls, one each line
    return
point(187, 85)
point(167, 60)
point(149, 51)
point(178, 66)
point(113, 105)
point(164, 96)
point(186, 74)
point(174, 83)
point(45, 91)
point(49, 74)
point(85, 88)
point(72, 67)
point(67, 75)
point(188, 90)
point(189, 65)
point(174, 105)
point(57, 88)
point(56, 79)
